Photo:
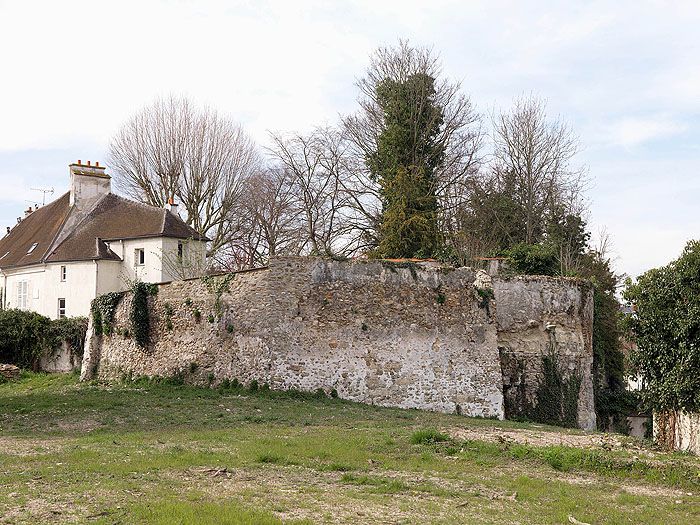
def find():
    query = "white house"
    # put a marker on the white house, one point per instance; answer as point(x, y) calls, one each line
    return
point(90, 241)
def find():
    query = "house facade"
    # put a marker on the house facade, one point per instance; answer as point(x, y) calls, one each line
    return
point(91, 241)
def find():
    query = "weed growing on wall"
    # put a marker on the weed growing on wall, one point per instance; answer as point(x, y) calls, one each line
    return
point(217, 285)
point(168, 314)
point(485, 296)
point(410, 265)
point(440, 296)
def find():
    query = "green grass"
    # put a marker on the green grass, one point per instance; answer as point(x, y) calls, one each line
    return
point(158, 452)
point(172, 512)
point(428, 436)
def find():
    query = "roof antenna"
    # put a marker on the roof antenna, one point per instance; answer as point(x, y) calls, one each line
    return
point(44, 191)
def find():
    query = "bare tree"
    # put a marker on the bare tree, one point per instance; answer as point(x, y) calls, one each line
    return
point(317, 165)
point(533, 159)
point(266, 223)
point(174, 149)
point(457, 126)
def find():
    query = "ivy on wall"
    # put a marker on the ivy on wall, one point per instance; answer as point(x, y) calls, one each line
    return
point(102, 309)
point(556, 399)
point(139, 313)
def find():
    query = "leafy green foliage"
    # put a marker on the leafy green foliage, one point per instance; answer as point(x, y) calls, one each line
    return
point(485, 295)
point(102, 310)
point(407, 155)
point(139, 315)
point(557, 396)
point(25, 335)
point(71, 330)
point(568, 239)
point(666, 327)
point(532, 259)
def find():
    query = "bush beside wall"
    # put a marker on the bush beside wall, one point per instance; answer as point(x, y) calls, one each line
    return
point(25, 336)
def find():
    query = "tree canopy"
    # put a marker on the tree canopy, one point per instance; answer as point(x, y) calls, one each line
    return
point(666, 327)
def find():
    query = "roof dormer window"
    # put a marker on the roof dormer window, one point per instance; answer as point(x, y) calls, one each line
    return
point(32, 248)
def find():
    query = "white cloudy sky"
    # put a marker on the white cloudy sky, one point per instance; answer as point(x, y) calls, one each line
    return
point(626, 75)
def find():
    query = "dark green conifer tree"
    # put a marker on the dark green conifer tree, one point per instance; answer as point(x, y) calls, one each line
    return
point(404, 166)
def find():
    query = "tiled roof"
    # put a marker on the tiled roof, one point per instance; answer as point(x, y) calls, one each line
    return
point(112, 218)
point(41, 227)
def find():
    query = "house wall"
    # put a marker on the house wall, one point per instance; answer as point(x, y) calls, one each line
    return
point(152, 270)
point(193, 260)
point(45, 288)
point(414, 336)
point(86, 280)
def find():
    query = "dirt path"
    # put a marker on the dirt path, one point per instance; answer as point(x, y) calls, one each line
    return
point(544, 438)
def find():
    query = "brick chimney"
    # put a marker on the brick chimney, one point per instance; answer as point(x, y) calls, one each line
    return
point(87, 184)
point(171, 206)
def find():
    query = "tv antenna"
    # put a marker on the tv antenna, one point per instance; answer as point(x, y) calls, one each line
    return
point(44, 191)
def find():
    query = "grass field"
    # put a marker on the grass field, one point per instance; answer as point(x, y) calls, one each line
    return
point(145, 452)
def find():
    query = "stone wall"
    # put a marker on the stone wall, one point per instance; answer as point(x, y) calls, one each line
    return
point(391, 334)
point(61, 359)
point(545, 317)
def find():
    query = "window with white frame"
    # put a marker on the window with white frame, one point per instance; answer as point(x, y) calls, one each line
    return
point(61, 308)
point(139, 257)
point(22, 294)
point(63, 274)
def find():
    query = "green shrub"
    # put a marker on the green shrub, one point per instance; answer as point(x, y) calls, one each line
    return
point(71, 330)
point(532, 259)
point(24, 336)
point(666, 328)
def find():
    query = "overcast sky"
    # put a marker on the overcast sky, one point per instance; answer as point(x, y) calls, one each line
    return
point(625, 75)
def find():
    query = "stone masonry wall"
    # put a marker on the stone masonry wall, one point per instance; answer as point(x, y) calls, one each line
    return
point(539, 317)
point(390, 334)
